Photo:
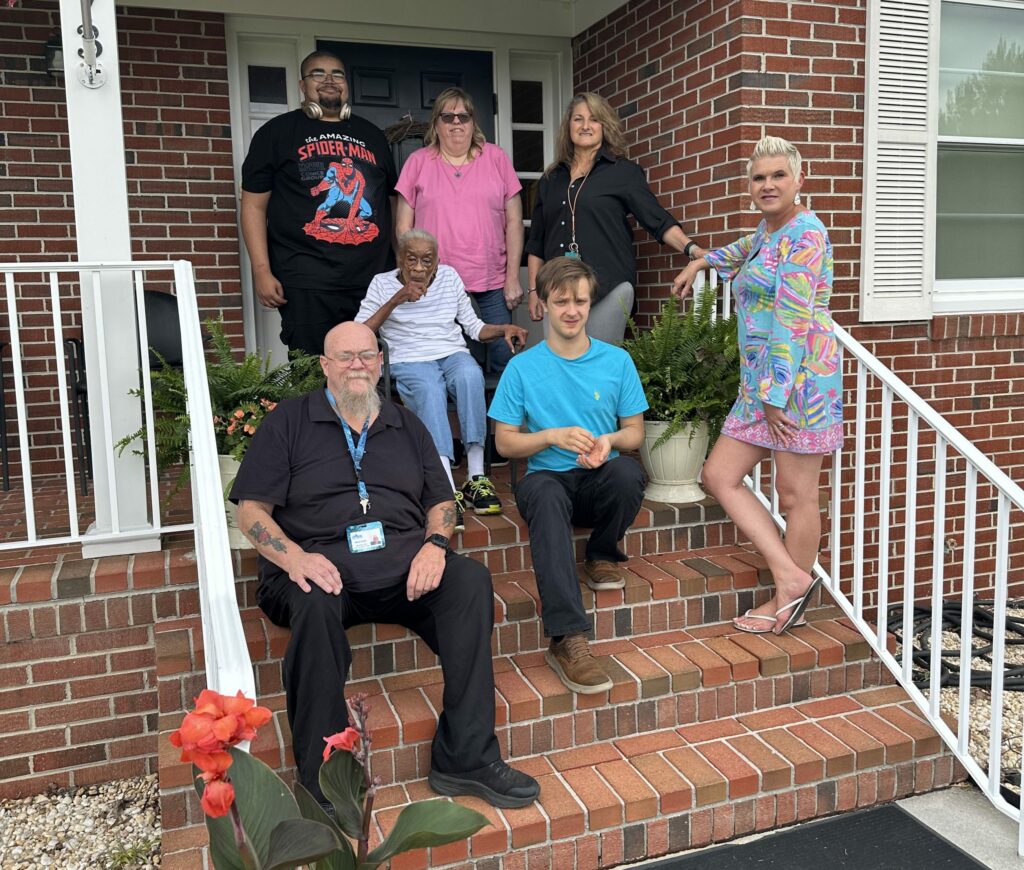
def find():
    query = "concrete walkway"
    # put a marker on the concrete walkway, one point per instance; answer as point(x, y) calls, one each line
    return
point(963, 815)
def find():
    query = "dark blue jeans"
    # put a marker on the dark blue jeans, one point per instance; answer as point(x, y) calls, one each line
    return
point(605, 499)
point(490, 304)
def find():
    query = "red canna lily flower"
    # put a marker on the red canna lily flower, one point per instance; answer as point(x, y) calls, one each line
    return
point(218, 721)
point(218, 796)
point(346, 740)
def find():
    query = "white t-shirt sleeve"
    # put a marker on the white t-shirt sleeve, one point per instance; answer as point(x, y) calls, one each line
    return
point(464, 312)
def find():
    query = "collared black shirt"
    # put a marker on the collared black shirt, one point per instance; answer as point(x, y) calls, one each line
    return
point(299, 462)
point(615, 188)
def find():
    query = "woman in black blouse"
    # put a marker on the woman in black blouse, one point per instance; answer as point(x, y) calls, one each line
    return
point(583, 201)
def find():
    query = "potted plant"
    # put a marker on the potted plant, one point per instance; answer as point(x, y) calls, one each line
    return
point(689, 367)
point(242, 392)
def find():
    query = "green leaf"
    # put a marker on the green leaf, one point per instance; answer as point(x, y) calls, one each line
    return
point(344, 785)
point(299, 841)
point(425, 824)
point(263, 803)
point(342, 859)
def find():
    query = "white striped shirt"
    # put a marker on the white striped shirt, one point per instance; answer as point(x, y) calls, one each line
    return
point(428, 328)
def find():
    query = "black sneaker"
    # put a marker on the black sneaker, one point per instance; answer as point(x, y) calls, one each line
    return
point(497, 783)
point(460, 512)
point(479, 492)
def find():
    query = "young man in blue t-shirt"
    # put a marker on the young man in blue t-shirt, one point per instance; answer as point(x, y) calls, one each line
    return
point(570, 404)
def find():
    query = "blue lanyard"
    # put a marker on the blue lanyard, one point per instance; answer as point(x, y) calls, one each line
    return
point(356, 451)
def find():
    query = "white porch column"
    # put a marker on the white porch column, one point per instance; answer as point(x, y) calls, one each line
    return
point(101, 222)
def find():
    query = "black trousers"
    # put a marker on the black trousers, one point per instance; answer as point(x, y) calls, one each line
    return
point(309, 315)
point(455, 620)
point(605, 499)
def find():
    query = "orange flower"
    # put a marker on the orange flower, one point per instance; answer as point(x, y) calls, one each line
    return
point(249, 429)
point(239, 414)
point(218, 721)
point(346, 740)
point(218, 796)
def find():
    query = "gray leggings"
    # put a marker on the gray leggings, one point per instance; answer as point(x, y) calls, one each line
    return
point(607, 321)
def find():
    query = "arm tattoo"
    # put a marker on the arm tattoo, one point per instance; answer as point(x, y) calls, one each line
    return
point(261, 536)
point(448, 517)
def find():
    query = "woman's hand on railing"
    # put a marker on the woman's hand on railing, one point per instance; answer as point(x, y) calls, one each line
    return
point(682, 286)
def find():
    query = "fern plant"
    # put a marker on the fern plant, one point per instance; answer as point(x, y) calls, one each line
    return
point(235, 385)
point(688, 363)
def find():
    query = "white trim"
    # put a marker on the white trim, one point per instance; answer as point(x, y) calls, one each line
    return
point(976, 296)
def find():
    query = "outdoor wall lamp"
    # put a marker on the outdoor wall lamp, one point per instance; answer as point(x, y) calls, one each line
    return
point(54, 53)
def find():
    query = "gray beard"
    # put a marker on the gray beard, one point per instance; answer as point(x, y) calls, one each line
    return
point(358, 405)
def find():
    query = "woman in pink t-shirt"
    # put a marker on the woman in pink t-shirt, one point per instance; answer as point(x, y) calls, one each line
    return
point(464, 192)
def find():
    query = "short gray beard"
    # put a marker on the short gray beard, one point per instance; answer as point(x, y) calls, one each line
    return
point(358, 404)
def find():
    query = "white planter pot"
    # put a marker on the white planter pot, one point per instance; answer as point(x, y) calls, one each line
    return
point(228, 470)
point(673, 467)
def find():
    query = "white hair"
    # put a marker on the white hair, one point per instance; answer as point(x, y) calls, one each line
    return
point(774, 146)
point(415, 235)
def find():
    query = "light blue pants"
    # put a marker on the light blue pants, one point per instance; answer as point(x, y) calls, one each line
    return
point(425, 388)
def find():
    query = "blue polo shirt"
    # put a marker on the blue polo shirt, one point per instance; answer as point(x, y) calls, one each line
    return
point(545, 391)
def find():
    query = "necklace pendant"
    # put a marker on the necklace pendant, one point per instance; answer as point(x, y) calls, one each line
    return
point(458, 173)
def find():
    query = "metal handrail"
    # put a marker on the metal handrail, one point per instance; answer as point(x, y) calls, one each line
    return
point(978, 470)
point(228, 667)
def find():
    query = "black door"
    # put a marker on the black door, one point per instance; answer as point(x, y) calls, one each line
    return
point(389, 84)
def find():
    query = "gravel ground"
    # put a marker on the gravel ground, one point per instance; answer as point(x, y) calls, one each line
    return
point(113, 826)
point(980, 715)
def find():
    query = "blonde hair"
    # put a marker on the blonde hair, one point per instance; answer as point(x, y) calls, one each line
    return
point(604, 114)
point(774, 146)
point(453, 95)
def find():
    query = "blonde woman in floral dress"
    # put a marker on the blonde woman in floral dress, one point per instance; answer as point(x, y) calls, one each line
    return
point(790, 401)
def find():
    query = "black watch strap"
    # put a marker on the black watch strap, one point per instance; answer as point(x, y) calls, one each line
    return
point(438, 541)
point(689, 246)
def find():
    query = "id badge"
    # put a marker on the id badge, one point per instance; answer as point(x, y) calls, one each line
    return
point(366, 537)
point(574, 254)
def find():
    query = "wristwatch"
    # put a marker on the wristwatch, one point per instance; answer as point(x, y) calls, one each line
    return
point(689, 246)
point(438, 541)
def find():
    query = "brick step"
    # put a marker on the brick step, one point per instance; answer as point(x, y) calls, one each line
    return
point(502, 542)
point(660, 680)
point(677, 788)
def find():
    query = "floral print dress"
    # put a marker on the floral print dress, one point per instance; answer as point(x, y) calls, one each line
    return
point(789, 356)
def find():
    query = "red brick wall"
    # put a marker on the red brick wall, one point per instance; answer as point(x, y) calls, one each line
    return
point(696, 85)
point(179, 166)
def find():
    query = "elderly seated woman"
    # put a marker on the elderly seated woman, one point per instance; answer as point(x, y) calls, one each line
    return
point(421, 310)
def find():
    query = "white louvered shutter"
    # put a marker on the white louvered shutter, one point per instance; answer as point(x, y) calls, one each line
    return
point(898, 231)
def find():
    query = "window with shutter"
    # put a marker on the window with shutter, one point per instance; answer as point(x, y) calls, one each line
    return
point(943, 159)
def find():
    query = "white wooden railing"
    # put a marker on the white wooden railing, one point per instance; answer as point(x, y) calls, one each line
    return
point(227, 660)
point(896, 546)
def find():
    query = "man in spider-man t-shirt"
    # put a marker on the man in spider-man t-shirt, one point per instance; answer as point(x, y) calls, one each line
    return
point(316, 208)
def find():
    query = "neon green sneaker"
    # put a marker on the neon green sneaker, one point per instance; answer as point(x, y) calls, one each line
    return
point(480, 493)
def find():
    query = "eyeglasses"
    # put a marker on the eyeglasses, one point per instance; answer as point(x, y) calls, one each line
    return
point(319, 75)
point(450, 117)
point(366, 357)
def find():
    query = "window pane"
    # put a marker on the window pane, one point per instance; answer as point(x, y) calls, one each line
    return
point(981, 71)
point(267, 87)
point(528, 150)
point(527, 102)
point(980, 213)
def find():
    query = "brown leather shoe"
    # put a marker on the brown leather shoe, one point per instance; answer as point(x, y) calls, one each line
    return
point(570, 658)
point(601, 574)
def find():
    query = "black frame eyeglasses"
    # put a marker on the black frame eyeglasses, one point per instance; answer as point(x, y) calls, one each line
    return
point(449, 117)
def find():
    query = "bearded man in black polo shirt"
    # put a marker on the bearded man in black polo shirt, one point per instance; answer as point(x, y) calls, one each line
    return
point(350, 511)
